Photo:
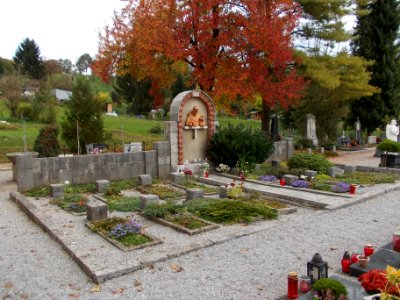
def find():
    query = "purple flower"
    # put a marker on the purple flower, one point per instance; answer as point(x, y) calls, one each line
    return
point(267, 178)
point(130, 227)
point(341, 187)
point(300, 183)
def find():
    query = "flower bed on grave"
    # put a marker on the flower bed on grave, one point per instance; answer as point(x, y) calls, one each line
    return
point(163, 191)
point(124, 233)
point(192, 184)
point(177, 217)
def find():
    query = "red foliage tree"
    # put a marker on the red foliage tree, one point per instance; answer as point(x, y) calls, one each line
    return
point(232, 47)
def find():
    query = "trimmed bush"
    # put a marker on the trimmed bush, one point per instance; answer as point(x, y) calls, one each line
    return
point(236, 142)
point(46, 144)
point(304, 143)
point(389, 146)
point(307, 161)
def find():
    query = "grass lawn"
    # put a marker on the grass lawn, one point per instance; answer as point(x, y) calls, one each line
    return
point(124, 129)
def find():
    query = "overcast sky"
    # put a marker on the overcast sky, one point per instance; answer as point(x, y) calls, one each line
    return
point(61, 28)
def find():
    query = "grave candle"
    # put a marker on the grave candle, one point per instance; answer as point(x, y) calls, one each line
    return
point(282, 182)
point(396, 241)
point(293, 286)
point(346, 261)
point(368, 250)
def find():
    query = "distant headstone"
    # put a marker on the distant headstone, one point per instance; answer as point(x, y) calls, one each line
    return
point(276, 163)
point(311, 129)
point(133, 147)
point(102, 185)
point(349, 169)
point(96, 210)
point(145, 179)
point(274, 128)
point(357, 126)
point(194, 194)
point(57, 190)
point(335, 171)
point(371, 139)
point(310, 174)
point(289, 179)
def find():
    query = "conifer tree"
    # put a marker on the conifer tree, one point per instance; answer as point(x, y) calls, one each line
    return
point(28, 60)
point(376, 35)
point(84, 114)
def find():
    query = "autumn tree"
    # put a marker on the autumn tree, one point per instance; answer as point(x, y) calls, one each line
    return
point(28, 60)
point(376, 40)
point(232, 47)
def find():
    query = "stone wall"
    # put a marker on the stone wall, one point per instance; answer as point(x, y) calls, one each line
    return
point(31, 172)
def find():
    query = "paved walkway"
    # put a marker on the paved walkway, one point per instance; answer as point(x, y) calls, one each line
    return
point(255, 266)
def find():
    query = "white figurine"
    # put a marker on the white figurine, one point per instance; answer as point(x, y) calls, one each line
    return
point(392, 130)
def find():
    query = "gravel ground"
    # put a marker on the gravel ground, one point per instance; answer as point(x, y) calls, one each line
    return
point(32, 266)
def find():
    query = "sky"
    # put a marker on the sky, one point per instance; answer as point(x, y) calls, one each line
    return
point(63, 29)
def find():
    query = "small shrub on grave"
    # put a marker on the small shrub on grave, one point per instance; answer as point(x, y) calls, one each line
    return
point(308, 161)
point(233, 142)
point(164, 192)
point(303, 144)
point(75, 203)
point(156, 129)
point(46, 144)
point(113, 191)
point(186, 220)
point(37, 192)
point(229, 211)
point(125, 184)
point(123, 203)
point(321, 186)
point(368, 178)
point(389, 146)
point(329, 288)
point(297, 171)
point(196, 185)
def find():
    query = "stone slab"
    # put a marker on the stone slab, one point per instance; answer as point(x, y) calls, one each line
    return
point(102, 185)
point(56, 190)
point(335, 171)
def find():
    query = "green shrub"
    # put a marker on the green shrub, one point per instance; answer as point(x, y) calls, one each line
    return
point(322, 286)
point(304, 144)
point(236, 142)
point(46, 144)
point(124, 204)
point(156, 129)
point(307, 161)
point(389, 146)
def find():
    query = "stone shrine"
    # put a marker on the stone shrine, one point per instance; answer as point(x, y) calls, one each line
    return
point(311, 129)
point(192, 124)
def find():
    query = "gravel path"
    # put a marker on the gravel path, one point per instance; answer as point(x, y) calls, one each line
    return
point(32, 266)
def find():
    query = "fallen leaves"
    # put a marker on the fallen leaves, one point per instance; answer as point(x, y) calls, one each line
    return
point(96, 288)
point(8, 285)
point(176, 268)
point(118, 291)
point(138, 284)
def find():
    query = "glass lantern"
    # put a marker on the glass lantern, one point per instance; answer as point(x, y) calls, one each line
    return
point(317, 268)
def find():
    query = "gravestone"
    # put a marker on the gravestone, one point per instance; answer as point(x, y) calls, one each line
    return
point(191, 126)
point(274, 128)
point(311, 132)
point(133, 147)
point(392, 131)
point(357, 126)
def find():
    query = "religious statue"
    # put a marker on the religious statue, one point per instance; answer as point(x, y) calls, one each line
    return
point(194, 119)
point(392, 130)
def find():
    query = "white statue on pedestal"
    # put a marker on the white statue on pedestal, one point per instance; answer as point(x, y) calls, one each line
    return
point(392, 130)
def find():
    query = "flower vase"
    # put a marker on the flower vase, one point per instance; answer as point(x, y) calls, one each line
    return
point(206, 174)
point(241, 175)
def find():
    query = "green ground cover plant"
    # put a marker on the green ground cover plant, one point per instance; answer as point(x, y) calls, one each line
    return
point(122, 203)
point(197, 185)
point(230, 211)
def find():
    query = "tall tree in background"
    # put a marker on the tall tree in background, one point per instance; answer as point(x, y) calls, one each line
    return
point(335, 77)
point(84, 63)
point(82, 109)
point(232, 47)
point(66, 65)
point(28, 60)
point(11, 87)
point(135, 93)
point(375, 40)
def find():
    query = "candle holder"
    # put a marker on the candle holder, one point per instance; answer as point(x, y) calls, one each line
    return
point(368, 250)
point(293, 292)
point(346, 262)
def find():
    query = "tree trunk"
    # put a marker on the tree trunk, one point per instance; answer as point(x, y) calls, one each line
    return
point(265, 118)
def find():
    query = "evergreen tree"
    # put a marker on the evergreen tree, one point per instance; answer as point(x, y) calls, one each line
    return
point(85, 112)
point(376, 35)
point(28, 60)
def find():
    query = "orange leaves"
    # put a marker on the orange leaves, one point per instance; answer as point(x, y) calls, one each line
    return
point(232, 47)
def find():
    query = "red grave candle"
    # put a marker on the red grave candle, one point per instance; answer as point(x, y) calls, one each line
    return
point(346, 262)
point(282, 182)
point(368, 250)
point(293, 292)
point(396, 241)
